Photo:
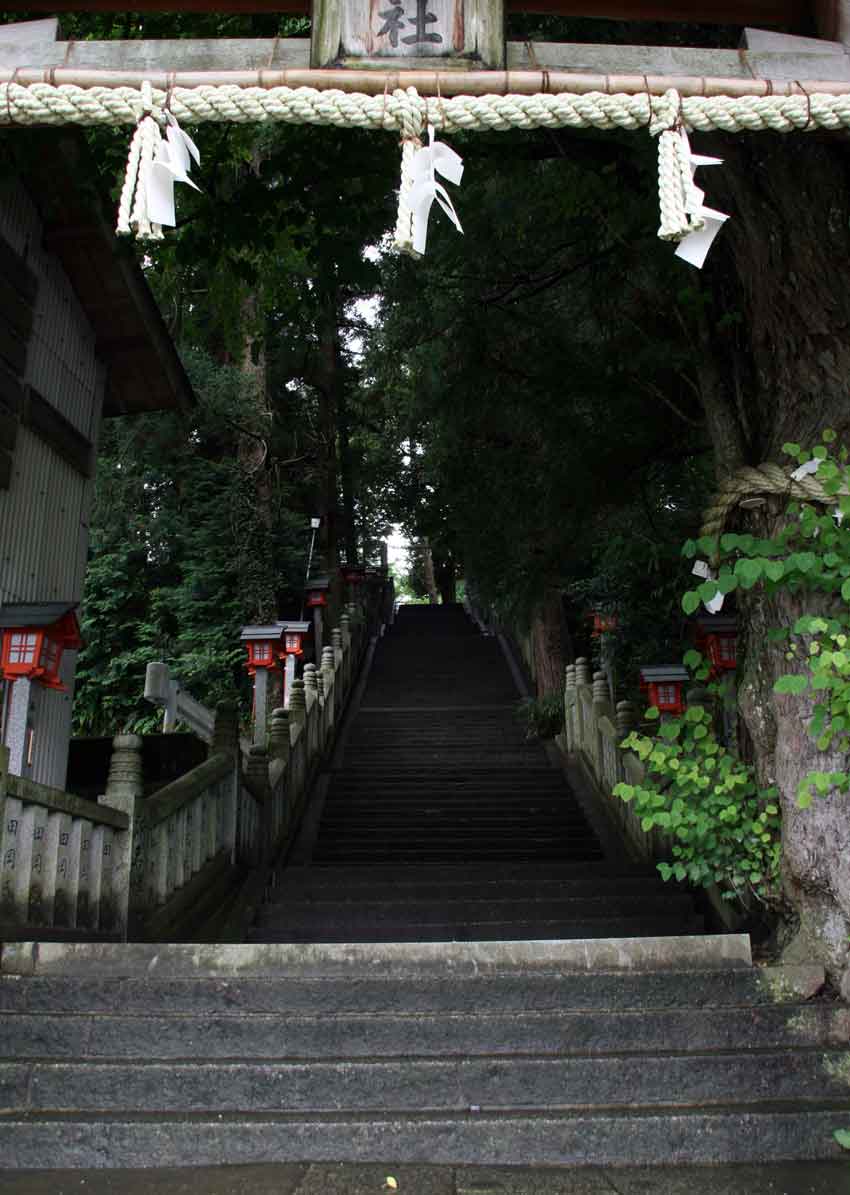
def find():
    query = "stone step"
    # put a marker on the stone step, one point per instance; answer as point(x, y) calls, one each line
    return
point(730, 1135)
point(472, 908)
point(241, 1034)
point(463, 873)
point(317, 885)
point(745, 993)
point(424, 818)
point(347, 928)
point(335, 852)
point(410, 1084)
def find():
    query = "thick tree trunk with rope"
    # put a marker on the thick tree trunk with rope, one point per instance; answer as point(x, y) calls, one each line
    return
point(790, 227)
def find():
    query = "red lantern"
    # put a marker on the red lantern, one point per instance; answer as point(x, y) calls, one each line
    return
point(316, 590)
point(262, 644)
point(293, 635)
point(665, 688)
point(603, 624)
point(717, 638)
point(34, 640)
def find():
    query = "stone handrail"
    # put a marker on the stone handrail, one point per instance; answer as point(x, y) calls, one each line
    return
point(63, 861)
point(180, 792)
point(173, 865)
point(593, 731)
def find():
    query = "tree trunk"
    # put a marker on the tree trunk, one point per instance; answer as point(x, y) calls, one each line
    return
point(790, 226)
point(547, 644)
point(428, 569)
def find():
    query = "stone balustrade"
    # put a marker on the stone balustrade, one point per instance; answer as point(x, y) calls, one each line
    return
point(64, 861)
point(162, 867)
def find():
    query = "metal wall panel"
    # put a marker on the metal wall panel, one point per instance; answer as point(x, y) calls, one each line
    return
point(44, 513)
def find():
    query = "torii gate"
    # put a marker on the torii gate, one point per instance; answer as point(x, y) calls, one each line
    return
point(407, 65)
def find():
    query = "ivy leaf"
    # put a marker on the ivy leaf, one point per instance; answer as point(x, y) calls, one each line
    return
point(690, 601)
point(692, 659)
point(842, 1136)
point(652, 713)
point(774, 569)
point(791, 683)
point(791, 449)
point(748, 571)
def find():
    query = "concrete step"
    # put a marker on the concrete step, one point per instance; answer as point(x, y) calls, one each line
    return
point(241, 1034)
point(518, 873)
point(625, 1082)
point(742, 992)
point(335, 852)
point(473, 908)
point(347, 928)
point(317, 885)
point(718, 1135)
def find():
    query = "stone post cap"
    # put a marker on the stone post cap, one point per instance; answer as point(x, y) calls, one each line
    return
point(127, 742)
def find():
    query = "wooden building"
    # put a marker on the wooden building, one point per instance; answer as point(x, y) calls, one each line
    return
point(80, 339)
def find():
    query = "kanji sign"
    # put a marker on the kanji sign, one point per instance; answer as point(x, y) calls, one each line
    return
point(345, 31)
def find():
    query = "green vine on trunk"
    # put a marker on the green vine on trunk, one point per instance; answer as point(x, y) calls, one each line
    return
point(809, 554)
point(723, 829)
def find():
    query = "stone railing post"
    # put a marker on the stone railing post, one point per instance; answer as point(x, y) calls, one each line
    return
point(297, 703)
point(569, 706)
point(279, 742)
point(331, 695)
point(255, 830)
point(600, 688)
point(626, 719)
point(311, 697)
point(225, 735)
point(124, 791)
point(582, 672)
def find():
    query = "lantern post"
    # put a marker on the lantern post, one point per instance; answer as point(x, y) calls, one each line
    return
point(263, 644)
point(293, 636)
point(316, 598)
point(33, 640)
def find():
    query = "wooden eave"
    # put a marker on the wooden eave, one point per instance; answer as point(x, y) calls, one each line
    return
point(144, 372)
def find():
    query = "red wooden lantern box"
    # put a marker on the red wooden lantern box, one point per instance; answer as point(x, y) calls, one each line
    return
point(717, 638)
point(262, 644)
point(34, 640)
point(316, 591)
point(293, 635)
point(665, 688)
point(603, 624)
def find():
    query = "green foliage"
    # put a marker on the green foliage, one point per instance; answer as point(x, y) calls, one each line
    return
point(181, 557)
point(543, 717)
point(724, 829)
point(808, 556)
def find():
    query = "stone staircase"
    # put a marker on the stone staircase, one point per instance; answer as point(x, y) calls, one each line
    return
point(457, 969)
point(539, 1053)
point(440, 822)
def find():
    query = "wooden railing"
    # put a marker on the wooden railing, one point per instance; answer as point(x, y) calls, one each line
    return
point(188, 861)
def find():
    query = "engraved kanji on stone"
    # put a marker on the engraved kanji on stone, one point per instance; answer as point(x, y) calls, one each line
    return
point(10, 857)
point(12, 825)
point(394, 21)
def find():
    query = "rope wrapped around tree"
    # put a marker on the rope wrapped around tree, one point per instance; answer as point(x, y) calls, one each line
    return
point(757, 481)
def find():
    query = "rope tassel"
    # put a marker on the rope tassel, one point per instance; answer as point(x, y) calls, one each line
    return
point(411, 130)
point(684, 218)
point(133, 214)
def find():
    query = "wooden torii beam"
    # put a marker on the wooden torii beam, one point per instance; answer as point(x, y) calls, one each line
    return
point(31, 52)
point(796, 14)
